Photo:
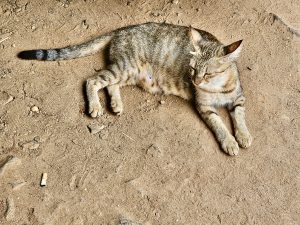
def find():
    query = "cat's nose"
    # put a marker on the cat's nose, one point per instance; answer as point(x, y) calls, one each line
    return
point(197, 80)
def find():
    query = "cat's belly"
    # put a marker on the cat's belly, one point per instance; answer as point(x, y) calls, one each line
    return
point(162, 83)
point(146, 80)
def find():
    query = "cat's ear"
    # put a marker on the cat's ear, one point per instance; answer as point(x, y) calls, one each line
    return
point(195, 37)
point(232, 51)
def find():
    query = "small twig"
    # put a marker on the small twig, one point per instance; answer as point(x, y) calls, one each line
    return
point(106, 14)
point(119, 15)
point(128, 136)
point(3, 39)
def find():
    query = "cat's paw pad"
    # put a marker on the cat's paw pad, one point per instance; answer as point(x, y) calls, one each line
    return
point(230, 146)
point(244, 139)
point(117, 106)
point(95, 110)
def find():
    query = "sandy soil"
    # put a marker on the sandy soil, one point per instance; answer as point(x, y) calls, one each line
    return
point(157, 163)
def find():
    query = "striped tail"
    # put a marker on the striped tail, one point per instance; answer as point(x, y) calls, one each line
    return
point(71, 52)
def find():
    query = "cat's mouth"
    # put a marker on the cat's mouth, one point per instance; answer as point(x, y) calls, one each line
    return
point(197, 81)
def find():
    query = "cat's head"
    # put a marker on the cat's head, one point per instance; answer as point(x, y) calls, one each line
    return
point(212, 64)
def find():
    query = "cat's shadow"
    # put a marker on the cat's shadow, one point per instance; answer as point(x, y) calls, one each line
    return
point(223, 112)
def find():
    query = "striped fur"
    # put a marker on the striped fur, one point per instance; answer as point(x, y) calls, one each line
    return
point(167, 59)
point(72, 52)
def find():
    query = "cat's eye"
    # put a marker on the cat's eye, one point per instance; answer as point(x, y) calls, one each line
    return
point(207, 75)
point(210, 75)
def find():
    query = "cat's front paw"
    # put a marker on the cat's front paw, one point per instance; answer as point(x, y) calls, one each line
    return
point(95, 110)
point(230, 146)
point(244, 139)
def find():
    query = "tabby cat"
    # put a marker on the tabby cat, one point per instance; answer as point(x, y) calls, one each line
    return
point(168, 59)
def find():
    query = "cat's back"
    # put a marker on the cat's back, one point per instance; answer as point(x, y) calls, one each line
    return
point(153, 41)
point(149, 34)
point(161, 30)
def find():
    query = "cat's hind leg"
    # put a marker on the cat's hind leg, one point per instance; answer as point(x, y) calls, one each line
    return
point(115, 98)
point(94, 84)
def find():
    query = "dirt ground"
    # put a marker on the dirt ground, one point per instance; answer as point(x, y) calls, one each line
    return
point(157, 163)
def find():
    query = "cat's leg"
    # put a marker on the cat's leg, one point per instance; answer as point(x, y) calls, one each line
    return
point(94, 84)
point(222, 134)
point(115, 98)
point(241, 132)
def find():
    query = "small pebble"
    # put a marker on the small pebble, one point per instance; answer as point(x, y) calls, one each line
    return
point(95, 128)
point(30, 145)
point(157, 13)
point(37, 138)
point(84, 24)
point(162, 102)
point(175, 2)
point(34, 109)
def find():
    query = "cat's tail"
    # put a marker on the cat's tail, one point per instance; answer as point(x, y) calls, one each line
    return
point(70, 52)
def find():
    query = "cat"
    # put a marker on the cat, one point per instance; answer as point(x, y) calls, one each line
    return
point(167, 59)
